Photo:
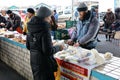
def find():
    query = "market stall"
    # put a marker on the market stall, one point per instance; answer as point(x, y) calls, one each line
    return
point(81, 64)
point(71, 71)
point(14, 53)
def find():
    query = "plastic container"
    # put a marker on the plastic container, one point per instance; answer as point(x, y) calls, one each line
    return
point(70, 23)
point(61, 34)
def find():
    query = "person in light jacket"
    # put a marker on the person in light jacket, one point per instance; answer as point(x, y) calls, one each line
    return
point(29, 15)
point(40, 45)
point(86, 30)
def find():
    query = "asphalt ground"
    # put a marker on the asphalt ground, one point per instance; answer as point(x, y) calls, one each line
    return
point(112, 46)
point(7, 73)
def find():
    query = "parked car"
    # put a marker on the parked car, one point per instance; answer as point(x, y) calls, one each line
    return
point(65, 14)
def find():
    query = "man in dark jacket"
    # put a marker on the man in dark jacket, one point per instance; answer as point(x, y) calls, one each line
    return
point(116, 23)
point(14, 21)
point(40, 45)
point(2, 21)
point(117, 13)
point(108, 19)
point(86, 30)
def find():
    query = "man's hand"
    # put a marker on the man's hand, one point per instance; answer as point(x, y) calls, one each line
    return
point(2, 24)
point(61, 47)
point(70, 42)
point(11, 29)
point(76, 44)
point(6, 29)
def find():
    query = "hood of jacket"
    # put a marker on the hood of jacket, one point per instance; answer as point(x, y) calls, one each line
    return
point(36, 25)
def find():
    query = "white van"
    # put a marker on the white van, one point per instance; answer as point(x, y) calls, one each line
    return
point(65, 14)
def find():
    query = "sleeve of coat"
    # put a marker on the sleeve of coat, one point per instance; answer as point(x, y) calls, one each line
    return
point(47, 48)
point(4, 20)
point(104, 18)
point(74, 33)
point(25, 27)
point(27, 42)
point(17, 22)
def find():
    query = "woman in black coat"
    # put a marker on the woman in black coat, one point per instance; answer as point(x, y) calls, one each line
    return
point(40, 45)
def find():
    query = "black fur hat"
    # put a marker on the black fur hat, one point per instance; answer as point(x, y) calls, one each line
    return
point(31, 10)
point(8, 11)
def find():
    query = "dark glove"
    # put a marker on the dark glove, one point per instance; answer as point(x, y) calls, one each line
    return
point(24, 33)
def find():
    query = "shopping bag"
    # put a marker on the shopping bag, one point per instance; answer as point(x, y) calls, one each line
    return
point(117, 35)
point(57, 73)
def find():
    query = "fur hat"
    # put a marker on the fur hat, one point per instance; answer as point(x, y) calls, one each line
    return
point(82, 7)
point(43, 12)
point(31, 10)
point(8, 11)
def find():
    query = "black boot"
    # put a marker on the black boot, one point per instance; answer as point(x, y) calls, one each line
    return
point(98, 40)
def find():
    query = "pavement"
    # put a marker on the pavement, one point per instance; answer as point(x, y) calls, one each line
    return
point(7, 73)
point(112, 46)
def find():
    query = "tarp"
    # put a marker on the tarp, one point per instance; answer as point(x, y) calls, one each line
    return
point(13, 8)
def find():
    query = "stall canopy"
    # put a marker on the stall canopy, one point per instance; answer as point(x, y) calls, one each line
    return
point(13, 8)
point(42, 4)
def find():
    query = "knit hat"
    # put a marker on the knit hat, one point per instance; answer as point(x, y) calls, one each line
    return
point(31, 10)
point(8, 11)
point(43, 12)
point(82, 7)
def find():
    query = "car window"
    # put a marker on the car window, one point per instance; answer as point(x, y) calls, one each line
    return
point(67, 12)
point(60, 13)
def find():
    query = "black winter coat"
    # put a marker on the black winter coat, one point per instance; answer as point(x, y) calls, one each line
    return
point(40, 45)
point(13, 21)
point(2, 20)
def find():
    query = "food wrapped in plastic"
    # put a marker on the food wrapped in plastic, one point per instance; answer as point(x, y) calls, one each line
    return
point(72, 59)
point(2, 31)
point(108, 55)
point(24, 38)
point(63, 56)
point(59, 53)
point(99, 58)
point(90, 59)
point(80, 55)
point(60, 42)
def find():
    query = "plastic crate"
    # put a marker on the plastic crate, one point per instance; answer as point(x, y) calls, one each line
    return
point(61, 34)
point(70, 23)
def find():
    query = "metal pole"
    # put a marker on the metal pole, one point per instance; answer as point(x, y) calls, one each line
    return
point(72, 9)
